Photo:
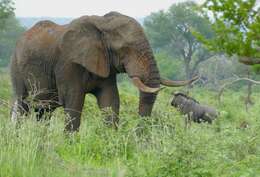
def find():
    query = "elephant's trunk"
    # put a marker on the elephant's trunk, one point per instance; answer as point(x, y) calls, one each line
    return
point(146, 100)
point(146, 77)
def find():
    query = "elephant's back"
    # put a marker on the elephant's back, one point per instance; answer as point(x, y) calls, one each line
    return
point(44, 31)
point(35, 54)
point(38, 43)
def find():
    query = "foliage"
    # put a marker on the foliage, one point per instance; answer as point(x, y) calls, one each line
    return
point(168, 66)
point(237, 27)
point(163, 147)
point(6, 10)
point(10, 30)
point(172, 31)
point(8, 39)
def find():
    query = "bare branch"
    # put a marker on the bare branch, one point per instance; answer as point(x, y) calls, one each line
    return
point(249, 60)
point(246, 79)
point(232, 82)
point(200, 60)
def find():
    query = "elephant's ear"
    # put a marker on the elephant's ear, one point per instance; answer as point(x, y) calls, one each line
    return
point(83, 44)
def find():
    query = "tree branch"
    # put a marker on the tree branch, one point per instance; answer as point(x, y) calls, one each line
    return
point(200, 60)
point(249, 60)
point(234, 81)
point(183, 54)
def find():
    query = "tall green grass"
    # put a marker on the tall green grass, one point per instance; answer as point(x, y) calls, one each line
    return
point(154, 146)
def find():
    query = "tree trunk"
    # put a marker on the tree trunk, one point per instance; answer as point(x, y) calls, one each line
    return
point(187, 69)
point(248, 100)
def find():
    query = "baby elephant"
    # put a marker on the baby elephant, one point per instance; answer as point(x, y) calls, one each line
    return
point(195, 111)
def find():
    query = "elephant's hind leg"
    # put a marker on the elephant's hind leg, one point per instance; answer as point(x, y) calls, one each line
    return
point(19, 108)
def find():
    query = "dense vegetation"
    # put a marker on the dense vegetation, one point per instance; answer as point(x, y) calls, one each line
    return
point(162, 147)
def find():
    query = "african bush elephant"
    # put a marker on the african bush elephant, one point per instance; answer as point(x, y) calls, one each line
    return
point(63, 63)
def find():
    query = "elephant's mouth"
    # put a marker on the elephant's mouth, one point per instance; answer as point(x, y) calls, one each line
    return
point(166, 82)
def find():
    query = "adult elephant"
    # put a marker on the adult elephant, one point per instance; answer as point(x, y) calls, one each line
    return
point(63, 63)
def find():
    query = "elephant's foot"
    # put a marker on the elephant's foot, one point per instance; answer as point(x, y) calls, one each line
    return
point(72, 124)
point(112, 120)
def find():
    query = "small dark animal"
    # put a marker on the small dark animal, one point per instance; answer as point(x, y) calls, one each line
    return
point(195, 111)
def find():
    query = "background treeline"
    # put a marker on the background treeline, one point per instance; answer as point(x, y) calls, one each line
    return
point(173, 34)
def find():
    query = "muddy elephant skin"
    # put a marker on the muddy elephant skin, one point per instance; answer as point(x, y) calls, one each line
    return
point(195, 111)
point(59, 64)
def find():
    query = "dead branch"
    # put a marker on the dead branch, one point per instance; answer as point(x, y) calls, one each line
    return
point(249, 60)
point(237, 79)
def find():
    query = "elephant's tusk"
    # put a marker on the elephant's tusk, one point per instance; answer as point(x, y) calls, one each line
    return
point(171, 83)
point(142, 87)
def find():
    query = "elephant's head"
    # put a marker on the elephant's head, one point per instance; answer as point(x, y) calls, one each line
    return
point(116, 43)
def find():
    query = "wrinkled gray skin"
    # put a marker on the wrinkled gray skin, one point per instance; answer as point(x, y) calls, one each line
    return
point(195, 111)
point(59, 64)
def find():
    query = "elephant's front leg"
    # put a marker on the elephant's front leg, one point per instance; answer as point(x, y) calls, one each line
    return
point(70, 84)
point(108, 97)
point(74, 102)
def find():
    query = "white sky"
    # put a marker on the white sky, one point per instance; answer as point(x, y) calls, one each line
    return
point(76, 8)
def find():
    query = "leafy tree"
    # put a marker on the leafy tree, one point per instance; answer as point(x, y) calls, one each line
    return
point(6, 10)
point(172, 31)
point(10, 29)
point(237, 27)
point(8, 39)
point(168, 66)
